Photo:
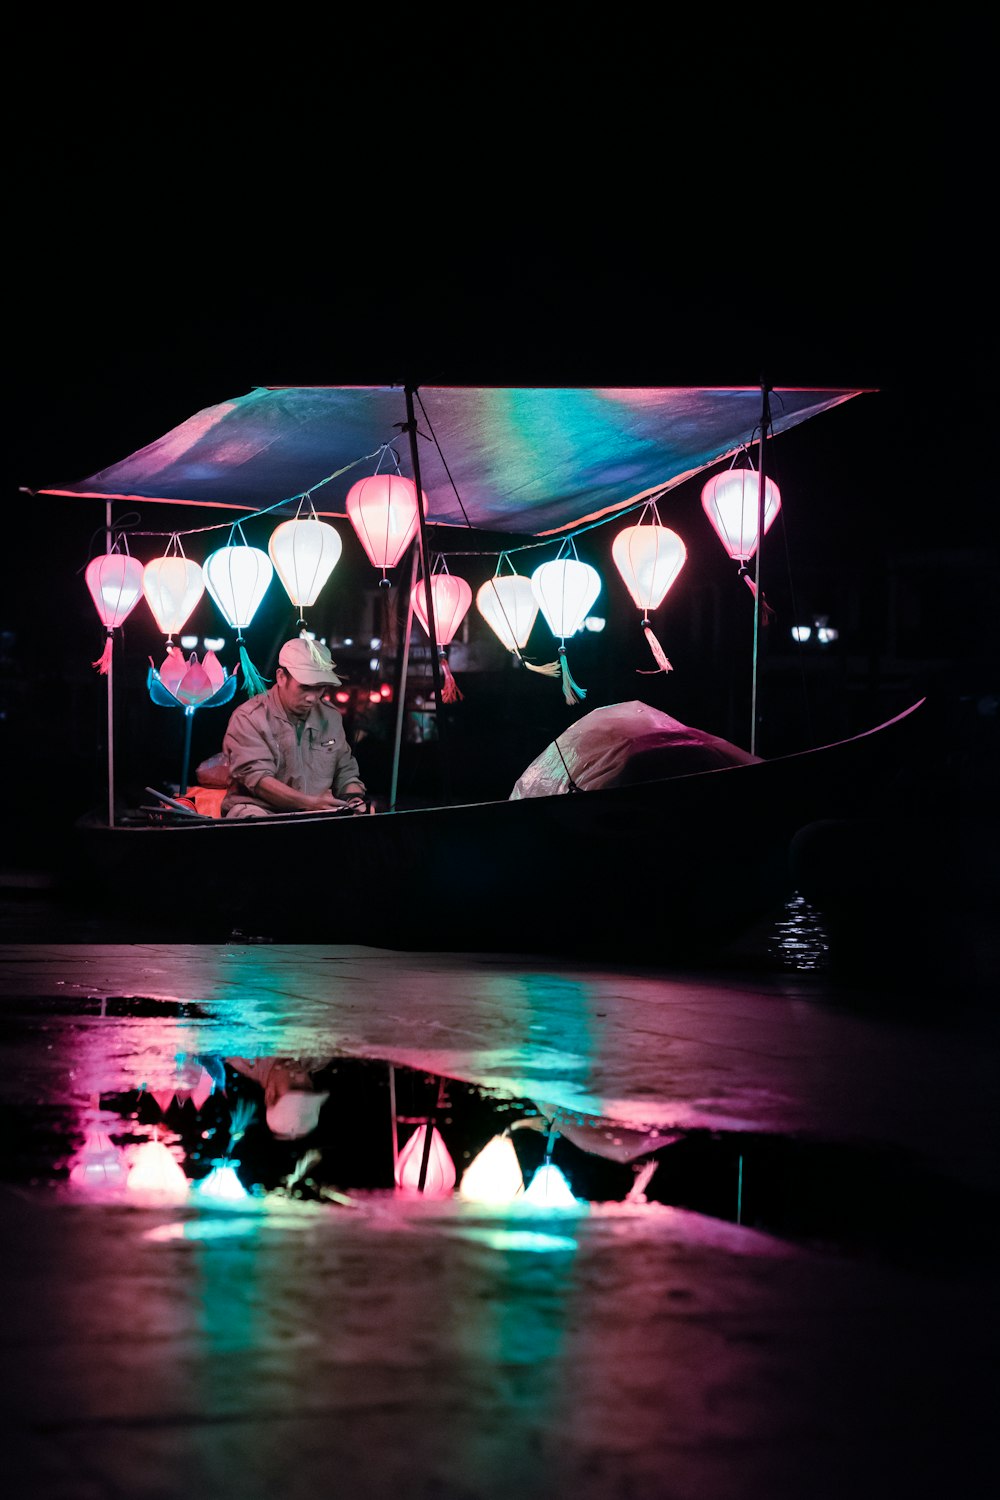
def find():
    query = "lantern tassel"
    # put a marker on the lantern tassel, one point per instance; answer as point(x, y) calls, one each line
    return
point(547, 669)
point(572, 692)
point(659, 655)
point(767, 613)
point(450, 691)
point(253, 682)
point(314, 650)
point(103, 662)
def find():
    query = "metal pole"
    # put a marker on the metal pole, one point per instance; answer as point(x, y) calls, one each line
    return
point(401, 688)
point(111, 688)
point(765, 419)
point(439, 715)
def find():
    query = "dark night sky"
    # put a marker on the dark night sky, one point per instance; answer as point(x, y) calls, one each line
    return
point(162, 260)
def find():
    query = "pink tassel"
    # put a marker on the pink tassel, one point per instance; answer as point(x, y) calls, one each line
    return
point(659, 655)
point(767, 612)
point(450, 692)
point(572, 692)
point(103, 662)
point(547, 669)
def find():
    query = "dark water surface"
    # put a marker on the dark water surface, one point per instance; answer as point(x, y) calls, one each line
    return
point(675, 1234)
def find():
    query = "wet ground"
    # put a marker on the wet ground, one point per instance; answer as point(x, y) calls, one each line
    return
point(741, 1242)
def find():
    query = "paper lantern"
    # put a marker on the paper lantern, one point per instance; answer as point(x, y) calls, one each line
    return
point(565, 589)
point(440, 1174)
point(173, 585)
point(304, 552)
point(494, 1176)
point(508, 605)
point(649, 558)
point(237, 578)
point(730, 502)
point(549, 1189)
point(156, 1170)
point(451, 598)
point(189, 685)
point(222, 1184)
point(100, 1164)
point(383, 511)
point(115, 584)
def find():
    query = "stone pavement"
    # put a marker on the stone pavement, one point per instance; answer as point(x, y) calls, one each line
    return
point(443, 1351)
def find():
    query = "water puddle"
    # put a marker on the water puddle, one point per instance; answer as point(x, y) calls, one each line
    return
point(239, 1142)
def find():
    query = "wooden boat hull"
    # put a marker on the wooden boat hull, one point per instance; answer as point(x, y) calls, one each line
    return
point(655, 871)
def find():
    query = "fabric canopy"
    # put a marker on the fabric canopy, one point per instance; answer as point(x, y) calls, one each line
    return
point(536, 461)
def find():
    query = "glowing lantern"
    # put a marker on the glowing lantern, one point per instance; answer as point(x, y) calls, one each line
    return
point(189, 685)
point(115, 584)
point(549, 1189)
point(730, 501)
point(508, 605)
point(565, 590)
point(649, 558)
point(383, 511)
point(156, 1170)
point(173, 585)
point(222, 1184)
point(304, 552)
point(440, 1171)
point(237, 578)
point(451, 598)
point(494, 1176)
point(100, 1164)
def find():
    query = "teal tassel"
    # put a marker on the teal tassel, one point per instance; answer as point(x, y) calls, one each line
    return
point(572, 692)
point(253, 682)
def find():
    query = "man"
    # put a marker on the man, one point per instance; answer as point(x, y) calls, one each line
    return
point(287, 748)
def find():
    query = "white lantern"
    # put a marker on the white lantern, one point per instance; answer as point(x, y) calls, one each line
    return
point(173, 585)
point(565, 589)
point(649, 558)
point(494, 1175)
point(237, 578)
point(730, 502)
point(305, 552)
point(383, 511)
point(508, 605)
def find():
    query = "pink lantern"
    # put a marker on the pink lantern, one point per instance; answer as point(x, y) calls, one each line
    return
point(649, 558)
point(730, 502)
point(565, 590)
point(383, 511)
point(451, 598)
point(173, 585)
point(440, 1176)
point(100, 1164)
point(115, 584)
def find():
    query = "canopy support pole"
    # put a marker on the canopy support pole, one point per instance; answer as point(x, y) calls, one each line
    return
point(439, 712)
point(765, 422)
point(108, 542)
point(401, 684)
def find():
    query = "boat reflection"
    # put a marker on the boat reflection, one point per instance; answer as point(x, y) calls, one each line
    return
point(225, 1129)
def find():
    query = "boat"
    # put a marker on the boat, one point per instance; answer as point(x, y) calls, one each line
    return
point(665, 870)
point(672, 864)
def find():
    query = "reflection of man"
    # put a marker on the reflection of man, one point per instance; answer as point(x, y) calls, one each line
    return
point(287, 748)
point(291, 1101)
